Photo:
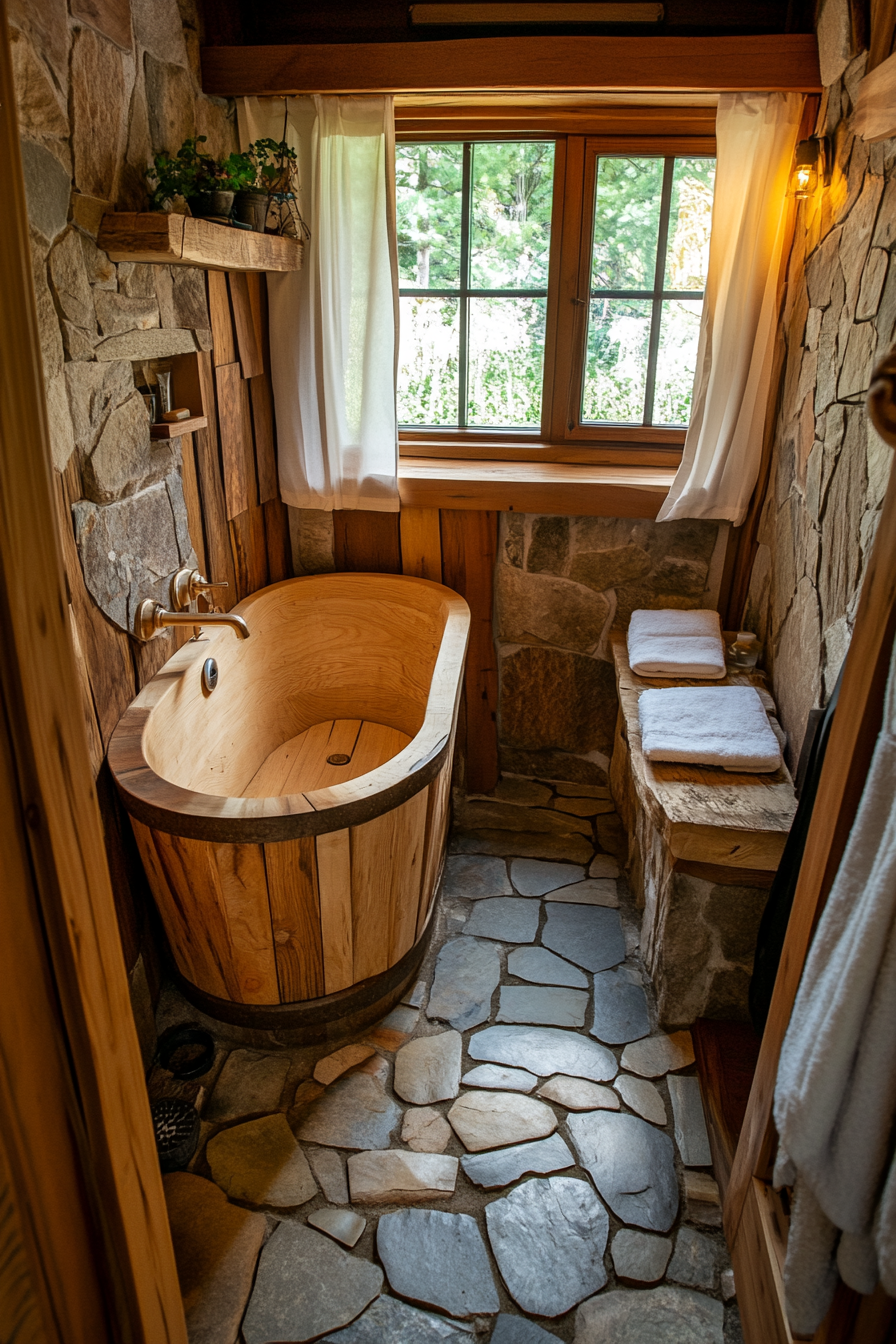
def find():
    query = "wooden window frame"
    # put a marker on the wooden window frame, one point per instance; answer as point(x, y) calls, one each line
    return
point(575, 155)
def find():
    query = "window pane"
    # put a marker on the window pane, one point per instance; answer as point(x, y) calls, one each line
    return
point(506, 361)
point(428, 361)
point(511, 221)
point(676, 361)
point(616, 360)
point(687, 256)
point(626, 223)
point(428, 181)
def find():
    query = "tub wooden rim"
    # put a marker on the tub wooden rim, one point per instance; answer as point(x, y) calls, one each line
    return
point(169, 807)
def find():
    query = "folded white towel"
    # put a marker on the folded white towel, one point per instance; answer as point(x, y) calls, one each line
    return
point(708, 725)
point(676, 644)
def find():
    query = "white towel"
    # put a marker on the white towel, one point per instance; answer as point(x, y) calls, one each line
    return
point(835, 1094)
point(708, 725)
point(676, 644)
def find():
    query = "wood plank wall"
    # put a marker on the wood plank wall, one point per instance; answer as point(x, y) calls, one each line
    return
point(240, 533)
point(456, 547)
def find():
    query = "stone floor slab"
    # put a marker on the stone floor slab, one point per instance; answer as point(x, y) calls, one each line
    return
point(354, 1112)
point(640, 1257)
point(473, 876)
point(503, 1166)
point(695, 1262)
point(340, 1224)
point(603, 865)
point(216, 1246)
point(500, 1079)
point(415, 995)
point(642, 1097)
point(394, 1177)
point(636, 1316)
point(593, 891)
point(659, 1054)
point(538, 845)
point(329, 1173)
point(261, 1163)
point(690, 1123)
point(388, 1321)
point(548, 1006)
point(548, 1237)
point(586, 934)
point(518, 1330)
point(468, 971)
point(428, 1069)
point(632, 1164)
point(395, 1028)
point(306, 1286)
point(248, 1083)
point(328, 1069)
point(702, 1201)
point(533, 877)
point(424, 1130)
point(507, 919)
point(544, 1051)
point(620, 1009)
point(438, 1260)
point(542, 967)
point(577, 1094)
point(484, 1120)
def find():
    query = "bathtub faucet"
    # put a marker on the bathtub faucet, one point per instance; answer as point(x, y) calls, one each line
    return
point(151, 618)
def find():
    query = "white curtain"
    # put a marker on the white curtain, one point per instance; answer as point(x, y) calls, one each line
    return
point(334, 324)
point(756, 136)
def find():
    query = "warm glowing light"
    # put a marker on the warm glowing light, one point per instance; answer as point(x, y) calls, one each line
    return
point(810, 160)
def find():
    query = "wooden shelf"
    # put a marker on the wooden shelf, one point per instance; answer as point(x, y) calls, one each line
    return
point(179, 240)
point(175, 429)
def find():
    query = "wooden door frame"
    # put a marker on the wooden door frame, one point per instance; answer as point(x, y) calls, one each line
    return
point(77, 1112)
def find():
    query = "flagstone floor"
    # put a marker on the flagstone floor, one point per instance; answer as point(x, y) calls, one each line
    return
point(514, 1154)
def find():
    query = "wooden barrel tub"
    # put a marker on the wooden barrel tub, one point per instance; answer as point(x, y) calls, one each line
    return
point(292, 822)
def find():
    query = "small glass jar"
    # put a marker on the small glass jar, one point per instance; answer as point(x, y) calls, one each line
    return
point(745, 650)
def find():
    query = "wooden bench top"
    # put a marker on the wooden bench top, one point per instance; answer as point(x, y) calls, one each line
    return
point(706, 814)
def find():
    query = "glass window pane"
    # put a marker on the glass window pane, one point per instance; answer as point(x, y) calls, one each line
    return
point(506, 362)
point(616, 361)
point(687, 255)
point(428, 361)
point(510, 238)
point(428, 182)
point(626, 223)
point(676, 361)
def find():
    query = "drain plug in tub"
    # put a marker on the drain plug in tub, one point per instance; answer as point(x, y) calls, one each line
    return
point(209, 675)
point(338, 758)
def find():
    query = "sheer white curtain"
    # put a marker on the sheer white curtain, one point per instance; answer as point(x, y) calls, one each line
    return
point(333, 324)
point(756, 136)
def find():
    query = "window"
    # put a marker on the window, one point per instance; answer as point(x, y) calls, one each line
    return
point(603, 268)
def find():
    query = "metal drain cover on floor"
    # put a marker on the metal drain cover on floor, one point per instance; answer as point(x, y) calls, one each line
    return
point(338, 758)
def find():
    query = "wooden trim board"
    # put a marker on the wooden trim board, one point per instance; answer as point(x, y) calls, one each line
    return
point(537, 487)
point(176, 240)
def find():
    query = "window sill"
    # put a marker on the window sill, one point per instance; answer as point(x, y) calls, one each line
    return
point(599, 490)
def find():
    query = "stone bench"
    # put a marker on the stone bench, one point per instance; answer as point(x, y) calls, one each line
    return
point(704, 845)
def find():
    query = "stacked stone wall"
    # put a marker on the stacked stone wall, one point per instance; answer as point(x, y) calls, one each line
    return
point(829, 469)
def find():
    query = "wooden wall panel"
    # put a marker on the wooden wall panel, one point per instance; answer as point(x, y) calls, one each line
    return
point(421, 544)
point(245, 331)
point(239, 488)
point(366, 542)
point(469, 548)
point(295, 916)
point(276, 532)
point(223, 340)
point(250, 556)
point(192, 499)
point(263, 431)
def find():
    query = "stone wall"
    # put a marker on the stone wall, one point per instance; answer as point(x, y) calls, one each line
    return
point(560, 585)
point(100, 90)
point(830, 469)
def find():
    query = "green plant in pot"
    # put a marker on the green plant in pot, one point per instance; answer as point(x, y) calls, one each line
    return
point(274, 170)
point(207, 185)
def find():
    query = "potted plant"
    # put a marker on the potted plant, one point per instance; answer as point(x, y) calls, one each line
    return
point(207, 185)
point(273, 173)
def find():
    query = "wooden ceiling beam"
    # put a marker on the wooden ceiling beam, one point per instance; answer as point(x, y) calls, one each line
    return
point(776, 62)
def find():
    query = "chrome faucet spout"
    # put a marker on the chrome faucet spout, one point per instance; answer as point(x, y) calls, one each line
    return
point(152, 618)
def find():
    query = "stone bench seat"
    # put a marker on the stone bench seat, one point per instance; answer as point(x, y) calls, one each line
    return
point(704, 845)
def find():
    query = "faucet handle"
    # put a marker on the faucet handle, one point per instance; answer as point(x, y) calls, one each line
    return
point(186, 585)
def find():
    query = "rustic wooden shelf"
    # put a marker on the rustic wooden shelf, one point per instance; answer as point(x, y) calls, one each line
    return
point(175, 429)
point(180, 240)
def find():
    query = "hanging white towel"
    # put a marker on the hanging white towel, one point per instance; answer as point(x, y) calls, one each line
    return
point(676, 644)
point(835, 1097)
point(708, 725)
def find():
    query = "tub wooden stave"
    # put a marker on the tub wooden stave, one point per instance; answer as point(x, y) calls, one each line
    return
point(284, 900)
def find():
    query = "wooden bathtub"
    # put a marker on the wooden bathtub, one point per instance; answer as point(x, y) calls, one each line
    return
point(293, 891)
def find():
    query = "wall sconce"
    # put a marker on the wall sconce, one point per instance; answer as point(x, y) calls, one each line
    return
point(812, 162)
